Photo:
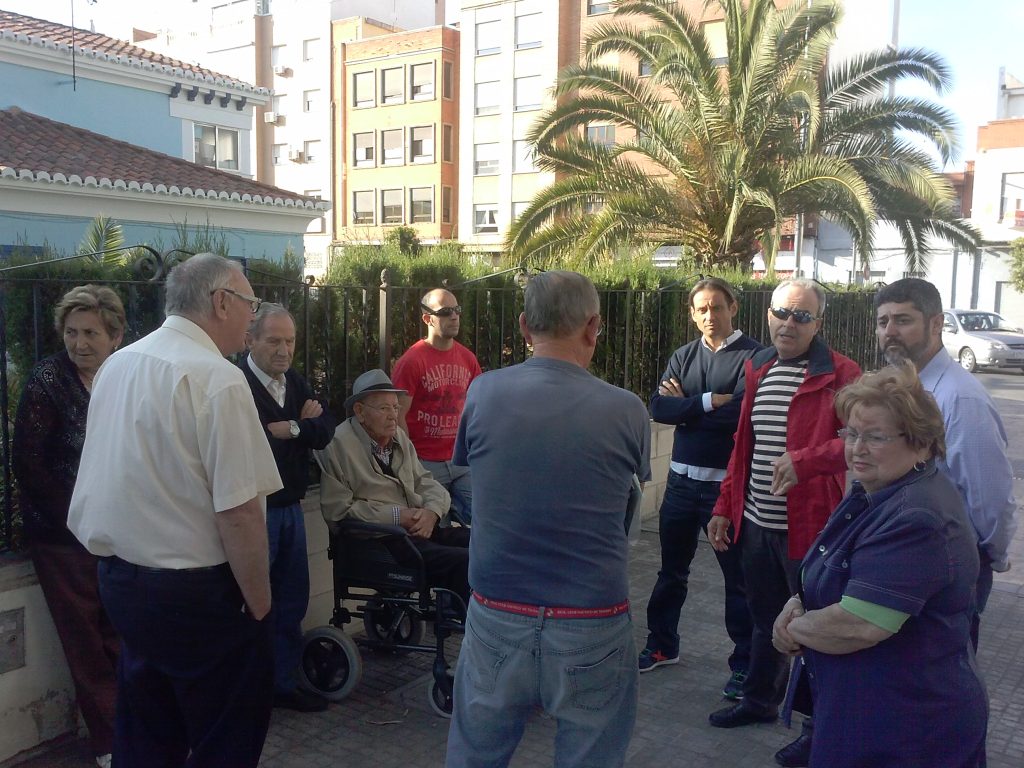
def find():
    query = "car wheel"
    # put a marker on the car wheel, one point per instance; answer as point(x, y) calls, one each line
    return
point(967, 360)
point(330, 664)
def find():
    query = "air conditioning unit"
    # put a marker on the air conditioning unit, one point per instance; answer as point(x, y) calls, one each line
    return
point(282, 70)
point(296, 155)
point(270, 117)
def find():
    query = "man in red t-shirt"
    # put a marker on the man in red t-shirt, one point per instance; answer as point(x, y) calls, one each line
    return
point(436, 373)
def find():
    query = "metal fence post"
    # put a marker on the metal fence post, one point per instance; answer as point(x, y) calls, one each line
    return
point(384, 324)
point(627, 357)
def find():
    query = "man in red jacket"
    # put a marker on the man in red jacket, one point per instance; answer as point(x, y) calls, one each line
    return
point(785, 476)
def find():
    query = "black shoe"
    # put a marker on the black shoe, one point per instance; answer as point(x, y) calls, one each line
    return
point(737, 715)
point(796, 754)
point(300, 701)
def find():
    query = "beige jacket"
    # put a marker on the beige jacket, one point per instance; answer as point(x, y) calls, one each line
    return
point(352, 484)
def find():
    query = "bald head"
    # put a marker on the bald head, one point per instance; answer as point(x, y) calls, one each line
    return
point(441, 316)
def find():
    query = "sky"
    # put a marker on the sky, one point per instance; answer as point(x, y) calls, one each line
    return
point(976, 37)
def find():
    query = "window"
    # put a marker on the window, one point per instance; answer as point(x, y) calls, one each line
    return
point(311, 151)
point(310, 49)
point(488, 37)
point(602, 135)
point(362, 207)
point(488, 96)
point(485, 219)
point(279, 152)
point(594, 8)
point(362, 150)
point(277, 56)
point(421, 148)
point(216, 147)
point(529, 30)
point(593, 207)
point(391, 206)
point(421, 205)
point(447, 143)
point(392, 148)
point(517, 210)
point(421, 81)
point(277, 104)
point(446, 205)
point(316, 194)
point(362, 89)
point(486, 159)
point(310, 100)
point(391, 91)
point(522, 157)
point(448, 80)
point(645, 68)
point(529, 93)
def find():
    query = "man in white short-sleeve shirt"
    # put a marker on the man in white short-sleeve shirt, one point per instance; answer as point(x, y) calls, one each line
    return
point(171, 494)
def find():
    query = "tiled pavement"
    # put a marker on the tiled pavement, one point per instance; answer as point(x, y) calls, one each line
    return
point(387, 723)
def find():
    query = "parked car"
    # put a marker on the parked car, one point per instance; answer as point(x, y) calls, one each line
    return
point(982, 339)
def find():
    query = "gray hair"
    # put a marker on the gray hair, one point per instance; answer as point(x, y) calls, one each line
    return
point(92, 298)
point(560, 302)
point(267, 309)
point(800, 282)
point(191, 282)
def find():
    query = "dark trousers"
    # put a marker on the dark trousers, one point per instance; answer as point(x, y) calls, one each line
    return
point(685, 512)
point(289, 587)
point(196, 670)
point(446, 559)
point(771, 578)
point(67, 576)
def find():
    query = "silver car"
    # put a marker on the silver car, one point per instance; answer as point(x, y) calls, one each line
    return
point(982, 339)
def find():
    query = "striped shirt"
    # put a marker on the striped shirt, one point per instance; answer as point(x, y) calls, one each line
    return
point(768, 419)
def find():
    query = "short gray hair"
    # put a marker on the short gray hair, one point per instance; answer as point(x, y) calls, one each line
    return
point(192, 281)
point(267, 309)
point(560, 302)
point(807, 285)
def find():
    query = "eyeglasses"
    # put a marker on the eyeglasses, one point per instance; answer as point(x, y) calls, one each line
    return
point(254, 302)
point(871, 439)
point(801, 316)
point(443, 311)
point(392, 409)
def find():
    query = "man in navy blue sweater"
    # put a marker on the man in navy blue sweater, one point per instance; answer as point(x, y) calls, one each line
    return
point(295, 422)
point(696, 394)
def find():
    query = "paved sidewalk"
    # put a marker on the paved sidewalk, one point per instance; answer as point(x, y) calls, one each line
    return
point(387, 722)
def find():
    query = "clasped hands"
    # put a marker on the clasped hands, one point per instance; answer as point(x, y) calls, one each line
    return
point(781, 637)
point(418, 521)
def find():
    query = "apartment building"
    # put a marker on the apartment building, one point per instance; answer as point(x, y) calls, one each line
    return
point(396, 120)
point(512, 51)
point(285, 45)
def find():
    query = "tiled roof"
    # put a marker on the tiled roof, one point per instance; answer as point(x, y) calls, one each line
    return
point(47, 34)
point(37, 149)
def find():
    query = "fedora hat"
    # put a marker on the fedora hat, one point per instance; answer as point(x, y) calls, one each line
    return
point(374, 380)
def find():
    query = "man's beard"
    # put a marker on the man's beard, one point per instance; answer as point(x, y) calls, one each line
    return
point(896, 354)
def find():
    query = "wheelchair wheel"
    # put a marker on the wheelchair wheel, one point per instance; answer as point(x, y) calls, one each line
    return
point(330, 664)
point(390, 625)
point(440, 699)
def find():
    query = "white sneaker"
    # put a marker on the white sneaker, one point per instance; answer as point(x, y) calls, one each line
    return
point(103, 761)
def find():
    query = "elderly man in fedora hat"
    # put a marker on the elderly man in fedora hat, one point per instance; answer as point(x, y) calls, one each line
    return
point(370, 472)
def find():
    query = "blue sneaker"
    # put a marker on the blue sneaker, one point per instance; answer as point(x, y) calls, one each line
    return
point(733, 689)
point(650, 658)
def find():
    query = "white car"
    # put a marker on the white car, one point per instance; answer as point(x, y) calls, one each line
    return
point(982, 339)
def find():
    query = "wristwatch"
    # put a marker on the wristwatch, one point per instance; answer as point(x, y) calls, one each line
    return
point(293, 428)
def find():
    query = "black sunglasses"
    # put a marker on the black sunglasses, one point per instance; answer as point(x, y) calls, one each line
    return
point(443, 311)
point(802, 316)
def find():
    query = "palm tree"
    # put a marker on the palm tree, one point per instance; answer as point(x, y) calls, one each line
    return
point(718, 157)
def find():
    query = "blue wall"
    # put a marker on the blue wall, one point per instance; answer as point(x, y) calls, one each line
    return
point(63, 234)
point(140, 117)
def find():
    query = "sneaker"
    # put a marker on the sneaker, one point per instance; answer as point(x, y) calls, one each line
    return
point(649, 659)
point(733, 689)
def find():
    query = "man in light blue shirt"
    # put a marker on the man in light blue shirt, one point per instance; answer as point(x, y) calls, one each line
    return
point(909, 327)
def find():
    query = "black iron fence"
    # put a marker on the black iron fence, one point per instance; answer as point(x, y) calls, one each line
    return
point(345, 330)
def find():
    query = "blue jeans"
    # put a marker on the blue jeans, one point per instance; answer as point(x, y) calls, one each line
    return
point(581, 671)
point(456, 480)
point(685, 512)
point(289, 589)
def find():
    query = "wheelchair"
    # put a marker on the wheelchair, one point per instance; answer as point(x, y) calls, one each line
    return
point(393, 600)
